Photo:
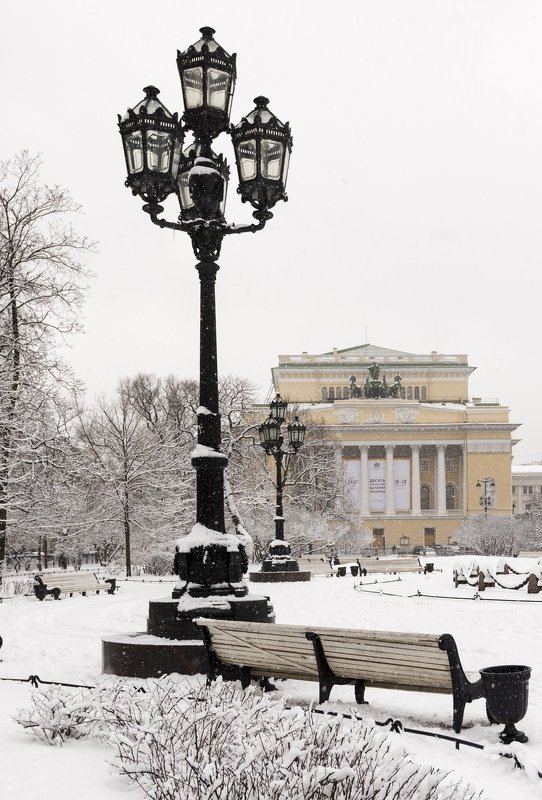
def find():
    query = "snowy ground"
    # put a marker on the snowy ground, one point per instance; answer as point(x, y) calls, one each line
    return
point(62, 641)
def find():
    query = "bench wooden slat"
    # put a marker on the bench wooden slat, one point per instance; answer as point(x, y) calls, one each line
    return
point(430, 639)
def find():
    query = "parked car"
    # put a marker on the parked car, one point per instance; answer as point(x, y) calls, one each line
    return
point(429, 552)
point(418, 550)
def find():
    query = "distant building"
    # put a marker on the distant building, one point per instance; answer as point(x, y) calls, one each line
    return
point(526, 486)
point(412, 458)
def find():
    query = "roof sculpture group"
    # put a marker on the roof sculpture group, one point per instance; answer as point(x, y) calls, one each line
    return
point(375, 386)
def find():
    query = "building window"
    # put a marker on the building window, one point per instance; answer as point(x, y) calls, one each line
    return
point(424, 464)
point(404, 541)
point(513, 489)
point(530, 489)
point(425, 497)
point(403, 393)
point(416, 393)
point(524, 490)
point(424, 393)
point(409, 393)
point(331, 394)
point(338, 393)
point(450, 465)
point(451, 496)
point(324, 394)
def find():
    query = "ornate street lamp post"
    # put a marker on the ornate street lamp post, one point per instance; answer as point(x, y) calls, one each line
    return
point(280, 566)
point(209, 562)
point(486, 500)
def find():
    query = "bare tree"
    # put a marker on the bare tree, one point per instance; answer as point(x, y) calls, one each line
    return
point(489, 535)
point(42, 284)
point(146, 490)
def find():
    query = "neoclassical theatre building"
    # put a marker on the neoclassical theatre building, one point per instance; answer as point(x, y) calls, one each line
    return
point(414, 445)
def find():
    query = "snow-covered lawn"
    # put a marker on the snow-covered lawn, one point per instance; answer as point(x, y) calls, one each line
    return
point(62, 641)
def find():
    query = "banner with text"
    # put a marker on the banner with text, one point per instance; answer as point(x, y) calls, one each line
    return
point(352, 480)
point(377, 485)
point(401, 489)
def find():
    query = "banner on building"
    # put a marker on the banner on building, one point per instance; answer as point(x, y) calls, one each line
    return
point(352, 480)
point(377, 485)
point(401, 489)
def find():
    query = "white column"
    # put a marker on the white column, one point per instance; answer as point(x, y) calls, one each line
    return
point(463, 506)
point(364, 481)
point(415, 449)
point(441, 479)
point(390, 482)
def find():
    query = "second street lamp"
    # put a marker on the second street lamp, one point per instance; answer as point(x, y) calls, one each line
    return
point(280, 566)
point(486, 500)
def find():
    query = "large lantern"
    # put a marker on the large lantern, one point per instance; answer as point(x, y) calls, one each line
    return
point(207, 75)
point(296, 434)
point(269, 432)
point(262, 146)
point(152, 140)
point(278, 408)
point(188, 158)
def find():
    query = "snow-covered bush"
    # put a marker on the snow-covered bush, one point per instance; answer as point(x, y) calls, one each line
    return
point(180, 739)
point(159, 564)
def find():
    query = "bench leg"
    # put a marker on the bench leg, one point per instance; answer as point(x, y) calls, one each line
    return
point(244, 676)
point(266, 685)
point(56, 593)
point(359, 691)
point(459, 710)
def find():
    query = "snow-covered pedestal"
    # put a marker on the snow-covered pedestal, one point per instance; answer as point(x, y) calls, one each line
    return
point(280, 566)
point(210, 566)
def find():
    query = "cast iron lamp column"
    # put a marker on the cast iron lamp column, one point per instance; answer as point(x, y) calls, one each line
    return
point(486, 500)
point(210, 563)
point(280, 565)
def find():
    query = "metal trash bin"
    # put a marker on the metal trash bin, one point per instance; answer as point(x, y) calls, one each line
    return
point(429, 567)
point(506, 689)
point(341, 572)
point(354, 569)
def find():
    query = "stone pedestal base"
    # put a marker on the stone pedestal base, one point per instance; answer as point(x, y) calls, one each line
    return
point(173, 643)
point(277, 577)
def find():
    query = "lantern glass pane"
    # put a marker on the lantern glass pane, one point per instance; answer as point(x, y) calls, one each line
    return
point(192, 80)
point(176, 158)
point(218, 84)
point(158, 151)
point(186, 199)
point(246, 153)
point(134, 151)
point(271, 159)
point(286, 165)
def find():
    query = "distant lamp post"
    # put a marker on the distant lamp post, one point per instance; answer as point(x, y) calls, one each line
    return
point(280, 566)
point(159, 163)
point(488, 487)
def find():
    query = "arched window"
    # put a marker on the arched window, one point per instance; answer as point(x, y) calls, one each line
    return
point(409, 393)
point(403, 393)
point(451, 496)
point(346, 392)
point(424, 392)
point(338, 393)
point(416, 393)
point(425, 497)
point(324, 393)
point(331, 395)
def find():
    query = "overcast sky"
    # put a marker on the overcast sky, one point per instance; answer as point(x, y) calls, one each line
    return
point(415, 184)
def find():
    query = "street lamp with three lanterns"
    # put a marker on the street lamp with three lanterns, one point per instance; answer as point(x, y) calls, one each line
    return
point(486, 499)
point(272, 441)
point(160, 162)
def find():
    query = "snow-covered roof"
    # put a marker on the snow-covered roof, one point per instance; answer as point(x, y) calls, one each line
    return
point(527, 469)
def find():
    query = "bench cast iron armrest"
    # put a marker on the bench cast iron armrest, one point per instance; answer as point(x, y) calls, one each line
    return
point(463, 690)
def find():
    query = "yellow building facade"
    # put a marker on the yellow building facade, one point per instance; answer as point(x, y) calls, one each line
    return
point(412, 461)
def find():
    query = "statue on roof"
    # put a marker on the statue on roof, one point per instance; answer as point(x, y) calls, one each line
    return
point(355, 391)
point(375, 387)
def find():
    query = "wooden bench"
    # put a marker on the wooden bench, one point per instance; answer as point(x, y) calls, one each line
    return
point(71, 583)
point(390, 565)
point(316, 565)
point(381, 659)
